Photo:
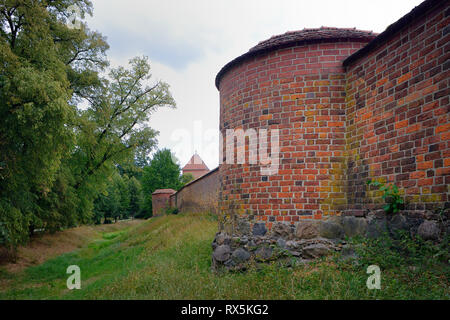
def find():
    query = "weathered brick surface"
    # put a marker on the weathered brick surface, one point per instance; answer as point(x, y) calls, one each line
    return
point(298, 90)
point(386, 115)
point(397, 117)
point(200, 195)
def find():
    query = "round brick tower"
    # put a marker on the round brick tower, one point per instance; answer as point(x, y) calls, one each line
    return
point(292, 85)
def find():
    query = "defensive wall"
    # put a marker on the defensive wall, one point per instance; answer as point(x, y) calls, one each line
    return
point(201, 195)
point(349, 106)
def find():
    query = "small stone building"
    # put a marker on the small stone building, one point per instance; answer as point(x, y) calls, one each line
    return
point(196, 166)
point(161, 201)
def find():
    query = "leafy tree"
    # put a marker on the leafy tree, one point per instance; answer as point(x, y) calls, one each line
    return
point(43, 64)
point(162, 173)
point(113, 130)
point(136, 199)
point(186, 178)
point(114, 127)
point(121, 200)
point(56, 158)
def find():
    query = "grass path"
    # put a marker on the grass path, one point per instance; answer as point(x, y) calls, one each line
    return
point(170, 257)
point(47, 246)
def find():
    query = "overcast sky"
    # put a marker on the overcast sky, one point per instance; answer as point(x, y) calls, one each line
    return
point(189, 41)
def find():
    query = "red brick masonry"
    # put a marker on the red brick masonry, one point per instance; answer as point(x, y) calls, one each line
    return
point(161, 201)
point(200, 195)
point(350, 106)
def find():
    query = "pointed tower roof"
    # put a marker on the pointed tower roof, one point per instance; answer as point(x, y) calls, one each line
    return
point(196, 163)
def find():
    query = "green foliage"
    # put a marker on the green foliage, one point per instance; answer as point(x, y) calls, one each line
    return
point(14, 225)
point(145, 213)
point(403, 252)
point(121, 200)
point(162, 173)
point(35, 93)
point(136, 197)
point(56, 158)
point(391, 196)
point(172, 211)
point(170, 258)
point(186, 178)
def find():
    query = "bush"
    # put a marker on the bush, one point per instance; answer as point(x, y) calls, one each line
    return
point(404, 251)
point(144, 214)
point(172, 210)
point(391, 195)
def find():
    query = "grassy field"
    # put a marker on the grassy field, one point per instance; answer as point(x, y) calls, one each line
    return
point(170, 258)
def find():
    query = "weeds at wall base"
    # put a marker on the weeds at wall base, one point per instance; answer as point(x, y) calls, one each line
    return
point(403, 251)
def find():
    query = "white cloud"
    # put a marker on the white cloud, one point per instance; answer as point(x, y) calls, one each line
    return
point(188, 42)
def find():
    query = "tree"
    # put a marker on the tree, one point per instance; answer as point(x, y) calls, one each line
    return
point(121, 200)
point(186, 178)
point(114, 128)
point(135, 192)
point(56, 158)
point(43, 64)
point(162, 173)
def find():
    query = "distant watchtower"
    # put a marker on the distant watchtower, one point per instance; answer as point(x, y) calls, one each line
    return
point(196, 167)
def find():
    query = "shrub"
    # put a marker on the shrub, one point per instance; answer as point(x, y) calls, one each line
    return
point(391, 196)
point(403, 251)
point(144, 214)
point(172, 210)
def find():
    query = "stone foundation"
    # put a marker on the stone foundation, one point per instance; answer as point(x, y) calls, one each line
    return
point(312, 239)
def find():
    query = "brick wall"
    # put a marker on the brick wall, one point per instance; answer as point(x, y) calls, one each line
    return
point(161, 201)
point(298, 90)
point(398, 116)
point(384, 115)
point(200, 195)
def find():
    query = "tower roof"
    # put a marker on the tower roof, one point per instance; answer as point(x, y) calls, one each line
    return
point(195, 164)
point(304, 36)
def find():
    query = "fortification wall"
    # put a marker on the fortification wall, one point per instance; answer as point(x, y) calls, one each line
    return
point(398, 117)
point(299, 90)
point(200, 195)
point(348, 109)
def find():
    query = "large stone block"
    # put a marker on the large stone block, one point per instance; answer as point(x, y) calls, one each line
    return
point(307, 230)
point(222, 253)
point(259, 229)
point(316, 251)
point(264, 253)
point(354, 226)
point(376, 227)
point(240, 255)
point(282, 230)
point(429, 230)
point(331, 229)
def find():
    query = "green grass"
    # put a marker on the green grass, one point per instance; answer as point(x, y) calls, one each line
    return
point(170, 258)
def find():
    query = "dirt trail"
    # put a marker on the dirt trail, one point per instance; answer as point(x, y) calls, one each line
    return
point(47, 246)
